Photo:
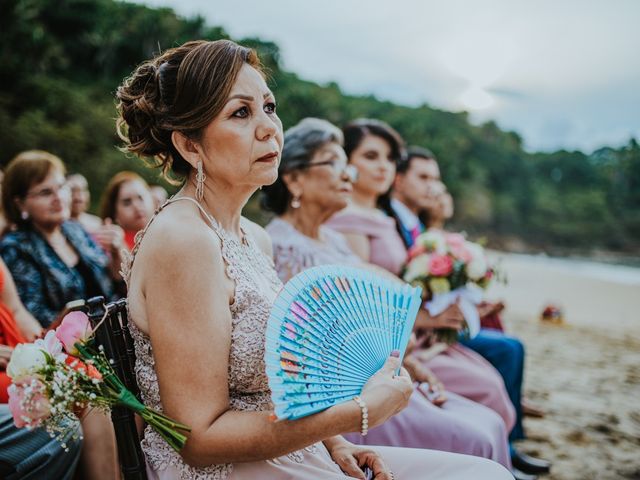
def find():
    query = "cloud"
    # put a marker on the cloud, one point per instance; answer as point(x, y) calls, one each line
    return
point(562, 74)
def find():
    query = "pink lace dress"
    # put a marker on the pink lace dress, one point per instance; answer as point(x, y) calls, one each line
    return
point(256, 288)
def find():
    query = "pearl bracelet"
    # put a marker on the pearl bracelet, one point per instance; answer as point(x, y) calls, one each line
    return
point(364, 428)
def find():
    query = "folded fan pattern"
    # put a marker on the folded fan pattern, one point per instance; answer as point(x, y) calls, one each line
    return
point(330, 329)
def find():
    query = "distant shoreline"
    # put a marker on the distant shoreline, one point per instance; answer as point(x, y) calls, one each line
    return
point(596, 269)
point(598, 256)
point(592, 294)
point(520, 247)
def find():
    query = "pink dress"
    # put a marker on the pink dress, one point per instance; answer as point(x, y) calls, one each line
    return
point(256, 288)
point(468, 374)
point(386, 247)
point(460, 369)
point(460, 425)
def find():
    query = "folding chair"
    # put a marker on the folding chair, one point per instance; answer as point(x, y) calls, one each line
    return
point(114, 336)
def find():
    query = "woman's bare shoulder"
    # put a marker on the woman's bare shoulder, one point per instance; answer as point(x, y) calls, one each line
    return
point(179, 233)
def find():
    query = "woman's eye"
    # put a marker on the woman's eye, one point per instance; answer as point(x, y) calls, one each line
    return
point(241, 112)
point(270, 107)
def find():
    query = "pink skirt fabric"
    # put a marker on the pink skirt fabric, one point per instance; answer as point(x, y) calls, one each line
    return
point(406, 464)
point(458, 426)
point(466, 373)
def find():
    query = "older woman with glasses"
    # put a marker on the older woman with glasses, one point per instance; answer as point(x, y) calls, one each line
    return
point(314, 183)
point(52, 260)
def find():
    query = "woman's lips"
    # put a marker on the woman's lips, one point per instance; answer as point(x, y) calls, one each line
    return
point(268, 158)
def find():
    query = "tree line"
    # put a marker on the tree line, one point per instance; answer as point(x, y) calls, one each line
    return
point(62, 60)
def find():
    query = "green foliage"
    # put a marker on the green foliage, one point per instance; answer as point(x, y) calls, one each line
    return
point(62, 61)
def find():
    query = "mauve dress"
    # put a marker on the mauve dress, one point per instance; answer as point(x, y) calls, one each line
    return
point(462, 370)
point(256, 286)
point(460, 425)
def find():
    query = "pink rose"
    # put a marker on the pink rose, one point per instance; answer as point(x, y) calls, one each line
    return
point(75, 328)
point(440, 265)
point(455, 239)
point(461, 253)
point(28, 402)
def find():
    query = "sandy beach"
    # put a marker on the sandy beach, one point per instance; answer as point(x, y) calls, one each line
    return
point(585, 373)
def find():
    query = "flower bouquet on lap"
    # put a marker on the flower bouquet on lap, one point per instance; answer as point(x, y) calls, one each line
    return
point(450, 270)
point(54, 379)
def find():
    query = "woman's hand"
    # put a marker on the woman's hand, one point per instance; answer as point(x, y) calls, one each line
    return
point(451, 318)
point(488, 308)
point(29, 327)
point(429, 385)
point(353, 459)
point(110, 236)
point(387, 393)
point(435, 391)
point(5, 356)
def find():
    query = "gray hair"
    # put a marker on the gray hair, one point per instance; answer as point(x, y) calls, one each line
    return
point(303, 140)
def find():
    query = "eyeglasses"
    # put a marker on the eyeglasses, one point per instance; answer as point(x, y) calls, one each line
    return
point(350, 171)
point(48, 193)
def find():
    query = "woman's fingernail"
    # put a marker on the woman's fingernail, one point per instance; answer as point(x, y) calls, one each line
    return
point(395, 353)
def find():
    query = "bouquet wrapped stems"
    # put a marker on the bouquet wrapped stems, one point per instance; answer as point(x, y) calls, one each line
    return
point(50, 386)
point(169, 429)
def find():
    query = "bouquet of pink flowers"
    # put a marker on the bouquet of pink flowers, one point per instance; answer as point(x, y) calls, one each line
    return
point(449, 269)
point(54, 379)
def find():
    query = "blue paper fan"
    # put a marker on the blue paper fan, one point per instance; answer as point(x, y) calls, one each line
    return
point(331, 328)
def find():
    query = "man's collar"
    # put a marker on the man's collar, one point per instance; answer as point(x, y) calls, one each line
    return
point(408, 219)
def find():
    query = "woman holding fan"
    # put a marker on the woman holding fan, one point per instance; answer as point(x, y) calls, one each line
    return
point(201, 284)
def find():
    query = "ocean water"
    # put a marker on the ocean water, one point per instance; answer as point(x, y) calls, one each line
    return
point(621, 274)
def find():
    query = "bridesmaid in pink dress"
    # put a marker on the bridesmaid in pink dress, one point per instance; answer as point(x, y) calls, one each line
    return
point(373, 148)
point(201, 284)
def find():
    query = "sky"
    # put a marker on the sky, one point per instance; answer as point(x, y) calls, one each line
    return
point(561, 73)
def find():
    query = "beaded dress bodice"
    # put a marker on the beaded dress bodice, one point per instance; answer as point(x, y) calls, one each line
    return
point(256, 286)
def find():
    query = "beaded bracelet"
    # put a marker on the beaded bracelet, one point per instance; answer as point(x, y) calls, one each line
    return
point(364, 429)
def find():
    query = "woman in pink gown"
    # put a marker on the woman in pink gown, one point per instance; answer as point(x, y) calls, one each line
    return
point(373, 148)
point(201, 284)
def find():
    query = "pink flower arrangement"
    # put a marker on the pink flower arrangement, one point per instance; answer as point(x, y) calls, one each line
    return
point(440, 265)
point(455, 239)
point(75, 328)
point(460, 252)
point(28, 402)
point(60, 375)
point(449, 257)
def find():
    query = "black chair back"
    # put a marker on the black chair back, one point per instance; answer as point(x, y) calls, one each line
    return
point(114, 336)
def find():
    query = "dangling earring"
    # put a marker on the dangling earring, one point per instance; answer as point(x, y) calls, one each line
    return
point(24, 215)
point(200, 178)
point(295, 201)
